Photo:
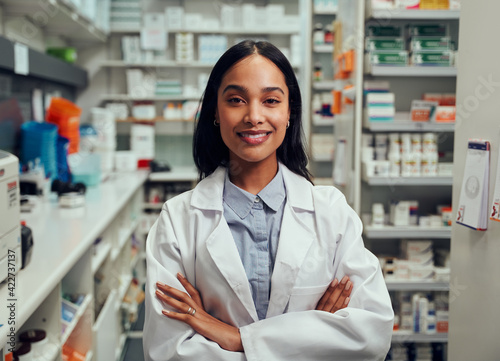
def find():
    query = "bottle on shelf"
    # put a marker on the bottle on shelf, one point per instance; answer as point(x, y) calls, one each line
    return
point(318, 34)
point(318, 72)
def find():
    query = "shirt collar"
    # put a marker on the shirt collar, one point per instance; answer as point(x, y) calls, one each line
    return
point(241, 201)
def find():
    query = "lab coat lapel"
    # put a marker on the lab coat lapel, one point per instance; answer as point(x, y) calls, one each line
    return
point(220, 243)
point(295, 239)
point(222, 249)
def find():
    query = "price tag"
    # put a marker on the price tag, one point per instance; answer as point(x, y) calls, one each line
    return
point(21, 59)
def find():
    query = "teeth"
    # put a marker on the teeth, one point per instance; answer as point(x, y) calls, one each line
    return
point(254, 136)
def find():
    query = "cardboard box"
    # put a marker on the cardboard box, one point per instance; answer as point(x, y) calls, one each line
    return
point(384, 43)
point(398, 58)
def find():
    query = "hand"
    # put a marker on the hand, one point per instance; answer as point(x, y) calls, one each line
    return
point(336, 296)
point(193, 313)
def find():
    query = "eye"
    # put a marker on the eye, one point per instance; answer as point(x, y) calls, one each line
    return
point(272, 101)
point(235, 100)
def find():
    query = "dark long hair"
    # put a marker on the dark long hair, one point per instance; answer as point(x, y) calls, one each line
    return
point(209, 150)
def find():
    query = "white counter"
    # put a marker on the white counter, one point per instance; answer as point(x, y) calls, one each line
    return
point(61, 236)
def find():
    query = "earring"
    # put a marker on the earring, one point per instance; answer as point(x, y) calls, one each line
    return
point(287, 124)
point(215, 123)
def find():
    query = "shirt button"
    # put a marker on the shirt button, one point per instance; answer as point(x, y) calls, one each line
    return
point(257, 200)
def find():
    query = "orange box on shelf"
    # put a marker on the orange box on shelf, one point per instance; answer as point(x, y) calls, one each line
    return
point(445, 114)
point(337, 102)
point(349, 60)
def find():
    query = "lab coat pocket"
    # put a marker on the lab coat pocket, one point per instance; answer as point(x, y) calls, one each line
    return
point(305, 298)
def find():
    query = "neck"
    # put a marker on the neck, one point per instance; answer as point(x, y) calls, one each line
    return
point(252, 177)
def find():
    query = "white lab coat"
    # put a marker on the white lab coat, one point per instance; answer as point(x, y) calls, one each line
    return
point(320, 239)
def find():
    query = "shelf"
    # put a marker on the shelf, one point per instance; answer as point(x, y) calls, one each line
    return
point(417, 286)
point(391, 232)
point(123, 236)
point(178, 174)
point(324, 121)
point(121, 344)
point(325, 48)
point(101, 255)
point(409, 181)
point(64, 19)
point(405, 14)
point(239, 31)
point(158, 64)
point(402, 123)
point(125, 281)
point(322, 158)
point(43, 66)
point(155, 120)
point(401, 336)
point(81, 309)
point(325, 12)
point(126, 97)
point(416, 71)
point(328, 84)
point(152, 206)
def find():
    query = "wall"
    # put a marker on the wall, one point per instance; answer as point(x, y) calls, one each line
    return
point(475, 269)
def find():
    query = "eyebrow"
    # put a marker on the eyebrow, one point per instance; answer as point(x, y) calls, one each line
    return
point(245, 90)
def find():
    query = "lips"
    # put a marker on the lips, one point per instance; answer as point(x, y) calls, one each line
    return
point(254, 137)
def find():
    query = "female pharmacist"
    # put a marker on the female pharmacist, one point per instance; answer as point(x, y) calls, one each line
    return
point(246, 265)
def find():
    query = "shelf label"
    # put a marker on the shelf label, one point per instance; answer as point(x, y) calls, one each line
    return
point(21, 59)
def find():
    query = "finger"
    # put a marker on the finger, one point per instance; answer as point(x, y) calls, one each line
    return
point(183, 317)
point(176, 304)
point(332, 300)
point(326, 295)
point(175, 293)
point(342, 298)
point(193, 292)
point(346, 302)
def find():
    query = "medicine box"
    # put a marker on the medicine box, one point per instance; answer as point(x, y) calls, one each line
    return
point(380, 30)
point(393, 58)
point(432, 58)
point(415, 247)
point(428, 30)
point(430, 43)
point(384, 43)
point(174, 17)
point(445, 114)
point(423, 110)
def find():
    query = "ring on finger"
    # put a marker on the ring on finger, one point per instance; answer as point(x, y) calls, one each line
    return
point(191, 311)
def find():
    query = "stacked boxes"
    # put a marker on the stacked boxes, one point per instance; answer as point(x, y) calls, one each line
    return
point(211, 47)
point(426, 44)
point(430, 45)
point(184, 47)
point(125, 14)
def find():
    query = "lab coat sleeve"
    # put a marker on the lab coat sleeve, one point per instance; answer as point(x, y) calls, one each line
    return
point(164, 338)
point(362, 331)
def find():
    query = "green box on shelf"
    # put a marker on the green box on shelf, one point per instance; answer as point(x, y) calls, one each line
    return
point(432, 58)
point(67, 54)
point(428, 30)
point(384, 43)
point(380, 30)
point(394, 58)
point(425, 43)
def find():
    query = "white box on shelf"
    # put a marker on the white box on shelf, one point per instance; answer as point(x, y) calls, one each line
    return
point(400, 213)
point(248, 15)
point(125, 161)
point(275, 14)
point(174, 17)
point(416, 246)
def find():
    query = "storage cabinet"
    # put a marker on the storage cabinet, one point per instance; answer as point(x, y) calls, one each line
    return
point(82, 266)
point(366, 188)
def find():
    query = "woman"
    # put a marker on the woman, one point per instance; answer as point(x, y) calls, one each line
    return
point(246, 265)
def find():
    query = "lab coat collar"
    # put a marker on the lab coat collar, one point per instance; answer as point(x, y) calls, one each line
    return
point(296, 237)
point(208, 194)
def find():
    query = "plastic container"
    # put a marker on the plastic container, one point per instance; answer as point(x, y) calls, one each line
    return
point(85, 168)
point(66, 115)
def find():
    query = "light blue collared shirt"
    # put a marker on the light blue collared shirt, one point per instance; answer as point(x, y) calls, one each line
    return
point(255, 222)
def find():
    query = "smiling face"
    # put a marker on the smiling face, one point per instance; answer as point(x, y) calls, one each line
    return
point(253, 110)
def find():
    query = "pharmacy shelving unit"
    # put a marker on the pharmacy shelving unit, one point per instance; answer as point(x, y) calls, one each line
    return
point(408, 83)
point(87, 251)
point(321, 164)
point(60, 17)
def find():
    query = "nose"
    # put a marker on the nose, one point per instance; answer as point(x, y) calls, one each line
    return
point(254, 115)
